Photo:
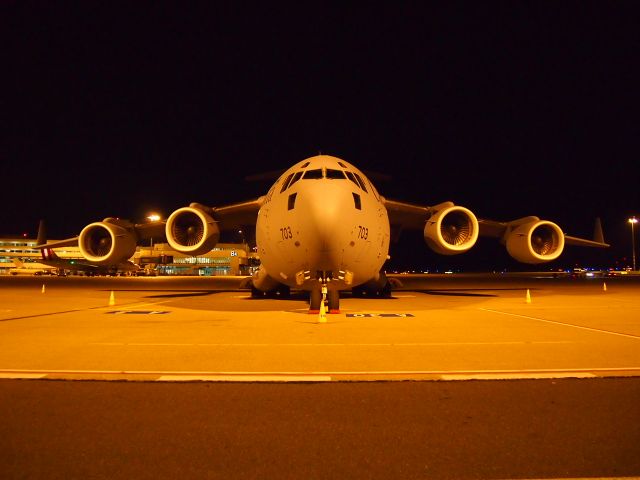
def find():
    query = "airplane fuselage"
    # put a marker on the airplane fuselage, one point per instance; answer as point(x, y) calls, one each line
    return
point(322, 219)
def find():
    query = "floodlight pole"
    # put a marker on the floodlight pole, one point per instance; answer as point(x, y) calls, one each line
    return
point(633, 221)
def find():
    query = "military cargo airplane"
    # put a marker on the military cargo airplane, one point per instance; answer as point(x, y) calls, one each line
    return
point(323, 226)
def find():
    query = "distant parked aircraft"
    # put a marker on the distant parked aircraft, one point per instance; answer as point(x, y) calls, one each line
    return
point(29, 268)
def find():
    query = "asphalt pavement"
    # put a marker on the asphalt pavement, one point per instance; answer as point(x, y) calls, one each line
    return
point(572, 428)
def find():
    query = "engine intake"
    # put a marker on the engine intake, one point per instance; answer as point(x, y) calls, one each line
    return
point(451, 230)
point(192, 231)
point(107, 243)
point(537, 241)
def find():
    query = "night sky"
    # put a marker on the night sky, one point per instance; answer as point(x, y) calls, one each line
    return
point(509, 109)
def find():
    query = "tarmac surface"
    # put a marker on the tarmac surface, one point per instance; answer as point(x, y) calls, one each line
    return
point(435, 327)
point(190, 378)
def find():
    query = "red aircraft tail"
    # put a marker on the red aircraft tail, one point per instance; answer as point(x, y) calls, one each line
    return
point(47, 253)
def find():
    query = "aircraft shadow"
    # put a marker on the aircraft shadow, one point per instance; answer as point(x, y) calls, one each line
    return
point(463, 292)
point(176, 294)
point(448, 293)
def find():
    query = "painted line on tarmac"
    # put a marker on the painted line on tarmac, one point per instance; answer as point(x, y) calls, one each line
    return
point(244, 378)
point(412, 344)
point(76, 310)
point(599, 330)
point(335, 376)
point(516, 376)
point(17, 376)
point(576, 478)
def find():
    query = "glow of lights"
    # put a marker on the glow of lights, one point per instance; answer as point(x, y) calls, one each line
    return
point(154, 217)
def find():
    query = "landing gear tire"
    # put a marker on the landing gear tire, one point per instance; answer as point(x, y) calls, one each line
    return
point(255, 293)
point(334, 301)
point(283, 291)
point(315, 297)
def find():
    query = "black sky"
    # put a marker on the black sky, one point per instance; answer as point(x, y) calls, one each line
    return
point(510, 109)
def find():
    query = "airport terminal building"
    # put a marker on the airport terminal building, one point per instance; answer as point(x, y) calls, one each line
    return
point(158, 259)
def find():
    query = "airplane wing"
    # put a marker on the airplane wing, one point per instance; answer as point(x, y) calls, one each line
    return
point(404, 215)
point(228, 217)
point(238, 214)
point(491, 228)
point(69, 242)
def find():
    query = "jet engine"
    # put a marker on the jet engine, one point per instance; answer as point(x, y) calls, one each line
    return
point(108, 242)
point(377, 287)
point(191, 230)
point(536, 241)
point(261, 281)
point(451, 230)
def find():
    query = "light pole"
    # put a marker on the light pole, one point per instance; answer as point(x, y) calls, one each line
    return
point(633, 221)
point(154, 217)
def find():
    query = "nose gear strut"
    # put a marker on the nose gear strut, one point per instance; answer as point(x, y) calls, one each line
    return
point(320, 296)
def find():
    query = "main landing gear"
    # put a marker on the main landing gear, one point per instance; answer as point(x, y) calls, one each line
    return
point(281, 291)
point(324, 294)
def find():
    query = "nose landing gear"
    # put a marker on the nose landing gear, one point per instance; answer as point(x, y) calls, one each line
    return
point(324, 294)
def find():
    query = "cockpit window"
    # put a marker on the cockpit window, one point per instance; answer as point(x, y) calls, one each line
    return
point(352, 178)
point(313, 174)
point(305, 165)
point(285, 183)
point(295, 178)
point(360, 182)
point(342, 165)
point(335, 174)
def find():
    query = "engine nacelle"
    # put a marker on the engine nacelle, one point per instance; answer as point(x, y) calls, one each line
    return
point(108, 242)
point(262, 281)
point(537, 241)
point(192, 231)
point(451, 230)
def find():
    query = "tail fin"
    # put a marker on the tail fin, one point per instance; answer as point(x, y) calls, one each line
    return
point(42, 234)
point(598, 236)
point(18, 262)
point(46, 253)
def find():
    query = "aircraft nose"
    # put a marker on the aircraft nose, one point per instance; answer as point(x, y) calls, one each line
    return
point(323, 211)
point(325, 216)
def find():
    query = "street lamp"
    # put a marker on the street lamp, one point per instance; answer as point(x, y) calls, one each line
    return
point(633, 221)
point(153, 217)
